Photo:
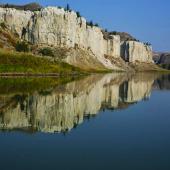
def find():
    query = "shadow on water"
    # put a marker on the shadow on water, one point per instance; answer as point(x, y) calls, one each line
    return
point(58, 105)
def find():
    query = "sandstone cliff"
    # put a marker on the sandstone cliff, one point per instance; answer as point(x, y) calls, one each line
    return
point(56, 27)
point(133, 51)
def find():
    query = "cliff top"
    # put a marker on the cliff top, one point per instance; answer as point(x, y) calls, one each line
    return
point(123, 35)
point(36, 7)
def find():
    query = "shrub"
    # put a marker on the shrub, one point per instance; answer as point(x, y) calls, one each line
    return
point(114, 33)
point(169, 67)
point(67, 8)
point(96, 25)
point(147, 43)
point(46, 52)
point(2, 25)
point(90, 23)
point(22, 47)
point(164, 66)
point(78, 14)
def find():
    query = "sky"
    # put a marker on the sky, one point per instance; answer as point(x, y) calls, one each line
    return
point(146, 20)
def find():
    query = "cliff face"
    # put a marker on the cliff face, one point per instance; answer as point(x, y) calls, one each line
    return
point(16, 20)
point(132, 51)
point(59, 28)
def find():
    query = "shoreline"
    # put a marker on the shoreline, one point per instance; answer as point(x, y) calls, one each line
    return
point(57, 75)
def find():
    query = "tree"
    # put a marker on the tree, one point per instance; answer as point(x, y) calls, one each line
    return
point(97, 25)
point(147, 43)
point(91, 23)
point(6, 5)
point(113, 32)
point(68, 7)
point(78, 14)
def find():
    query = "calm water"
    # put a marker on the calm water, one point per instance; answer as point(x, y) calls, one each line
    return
point(112, 121)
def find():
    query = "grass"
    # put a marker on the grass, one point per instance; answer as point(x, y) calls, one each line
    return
point(150, 67)
point(14, 62)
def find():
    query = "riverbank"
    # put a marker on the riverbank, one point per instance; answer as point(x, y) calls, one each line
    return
point(14, 63)
point(20, 64)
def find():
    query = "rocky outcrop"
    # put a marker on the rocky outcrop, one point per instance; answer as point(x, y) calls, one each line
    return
point(57, 27)
point(132, 51)
point(16, 20)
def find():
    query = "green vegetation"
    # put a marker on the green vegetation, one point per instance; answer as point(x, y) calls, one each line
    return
point(165, 66)
point(113, 33)
point(2, 25)
point(147, 43)
point(13, 62)
point(78, 14)
point(90, 24)
point(47, 51)
point(22, 47)
point(96, 25)
point(67, 8)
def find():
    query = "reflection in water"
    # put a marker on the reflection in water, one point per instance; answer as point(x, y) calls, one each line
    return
point(59, 108)
point(162, 83)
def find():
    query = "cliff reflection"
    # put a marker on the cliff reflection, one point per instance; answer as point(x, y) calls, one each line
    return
point(59, 108)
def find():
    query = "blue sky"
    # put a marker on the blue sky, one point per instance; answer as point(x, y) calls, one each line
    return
point(147, 20)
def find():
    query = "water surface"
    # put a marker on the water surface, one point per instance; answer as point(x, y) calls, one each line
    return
point(112, 121)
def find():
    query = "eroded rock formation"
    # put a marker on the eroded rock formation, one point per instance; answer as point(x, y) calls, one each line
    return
point(56, 27)
point(132, 51)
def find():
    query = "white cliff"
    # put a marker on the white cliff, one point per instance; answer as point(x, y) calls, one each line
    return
point(16, 20)
point(59, 28)
point(132, 51)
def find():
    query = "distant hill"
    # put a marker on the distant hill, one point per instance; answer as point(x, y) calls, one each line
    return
point(30, 6)
point(123, 35)
point(162, 59)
